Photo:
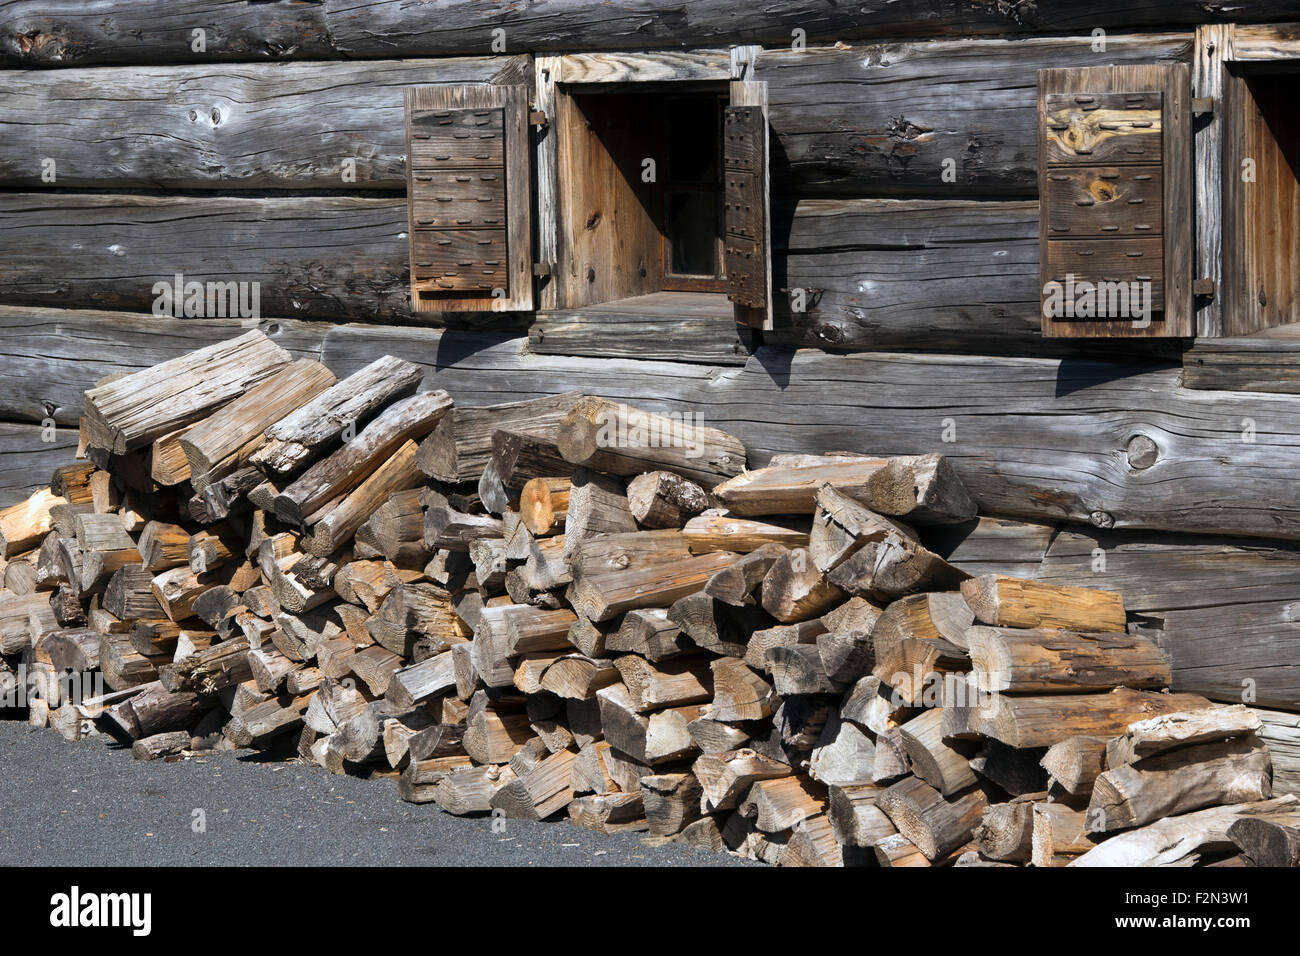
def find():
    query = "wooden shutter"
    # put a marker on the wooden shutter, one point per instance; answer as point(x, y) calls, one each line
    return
point(747, 228)
point(467, 185)
point(1115, 194)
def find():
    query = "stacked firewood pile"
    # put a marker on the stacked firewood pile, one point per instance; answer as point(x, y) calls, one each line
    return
point(572, 606)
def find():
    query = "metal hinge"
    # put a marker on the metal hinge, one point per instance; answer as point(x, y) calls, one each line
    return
point(1203, 106)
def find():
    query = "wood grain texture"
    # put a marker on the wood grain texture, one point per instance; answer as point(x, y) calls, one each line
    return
point(935, 274)
point(70, 32)
point(1020, 447)
point(257, 125)
point(885, 118)
point(1227, 606)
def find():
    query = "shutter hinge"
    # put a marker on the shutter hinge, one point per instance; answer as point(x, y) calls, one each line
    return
point(1204, 288)
point(541, 269)
point(1203, 106)
point(537, 118)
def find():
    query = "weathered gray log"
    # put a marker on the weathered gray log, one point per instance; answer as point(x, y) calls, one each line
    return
point(1157, 735)
point(936, 825)
point(305, 432)
point(184, 148)
point(460, 446)
point(616, 329)
point(222, 434)
point(621, 439)
point(406, 419)
point(1180, 781)
point(60, 34)
point(131, 412)
point(662, 499)
point(1174, 839)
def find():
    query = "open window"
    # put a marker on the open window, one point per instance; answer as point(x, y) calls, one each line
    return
point(1115, 194)
point(1261, 210)
point(662, 198)
point(659, 200)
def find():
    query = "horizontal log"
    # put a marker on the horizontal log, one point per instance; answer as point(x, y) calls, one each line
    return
point(49, 357)
point(1014, 421)
point(251, 126)
point(873, 120)
point(312, 256)
point(617, 329)
point(75, 32)
point(1267, 363)
point(938, 274)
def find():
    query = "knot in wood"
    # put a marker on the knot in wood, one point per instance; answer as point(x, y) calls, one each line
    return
point(1102, 519)
point(1142, 452)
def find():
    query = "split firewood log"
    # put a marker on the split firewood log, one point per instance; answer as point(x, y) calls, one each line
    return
point(671, 802)
point(24, 525)
point(405, 420)
point(294, 440)
point(221, 441)
point(1059, 834)
point(1165, 732)
point(855, 818)
point(1075, 762)
point(1174, 840)
point(663, 499)
point(714, 530)
point(544, 505)
point(1268, 841)
point(460, 445)
point(1017, 602)
point(621, 440)
point(794, 590)
point(1063, 661)
point(130, 412)
point(935, 824)
point(1180, 781)
point(650, 633)
point(1043, 721)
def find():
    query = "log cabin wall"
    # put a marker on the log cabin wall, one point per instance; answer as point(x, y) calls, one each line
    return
point(270, 149)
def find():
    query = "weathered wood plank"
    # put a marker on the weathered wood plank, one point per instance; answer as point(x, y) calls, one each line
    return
point(935, 274)
point(312, 256)
point(49, 357)
point(1256, 364)
point(887, 118)
point(282, 126)
point(675, 326)
point(69, 32)
point(926, 274)
point(27, 461)
point(1038, 439)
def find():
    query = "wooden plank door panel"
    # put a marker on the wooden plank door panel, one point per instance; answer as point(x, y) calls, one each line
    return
point(747, 246)
point(469, 184)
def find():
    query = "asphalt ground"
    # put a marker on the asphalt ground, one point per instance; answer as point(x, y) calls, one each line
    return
point(88, 804)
